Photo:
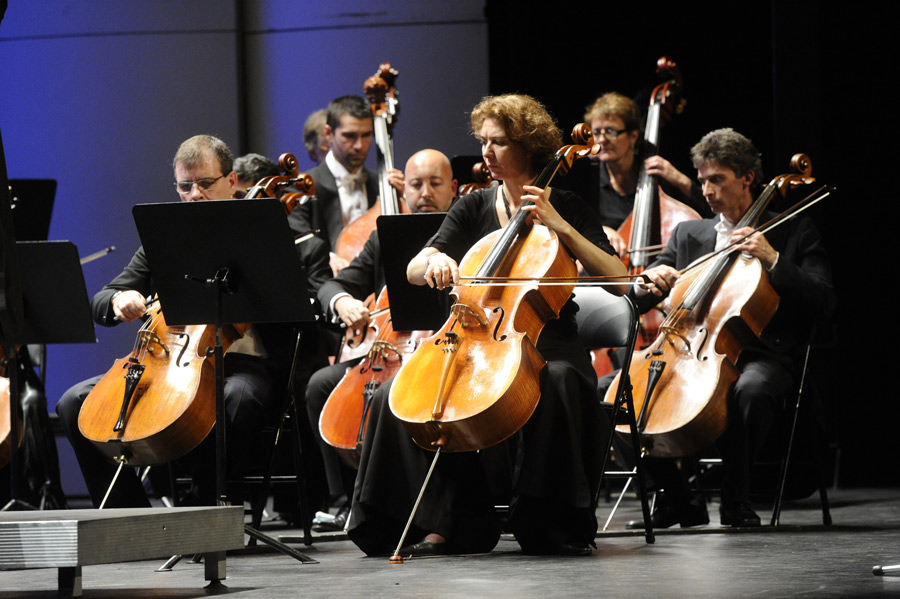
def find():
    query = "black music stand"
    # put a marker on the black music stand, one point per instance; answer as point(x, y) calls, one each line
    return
point(225, 261)
point(32, 207)
point(49, 270)
point(402, 236)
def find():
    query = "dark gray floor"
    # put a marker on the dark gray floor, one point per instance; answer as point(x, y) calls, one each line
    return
point(801, 558)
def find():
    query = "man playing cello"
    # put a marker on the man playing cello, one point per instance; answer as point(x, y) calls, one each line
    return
point(428, 186)
point(729, 171)
point(254, 365)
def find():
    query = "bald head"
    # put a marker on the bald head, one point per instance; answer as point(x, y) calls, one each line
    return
point(429, 185)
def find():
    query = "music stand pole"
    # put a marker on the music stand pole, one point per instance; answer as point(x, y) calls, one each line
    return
point(251, 252)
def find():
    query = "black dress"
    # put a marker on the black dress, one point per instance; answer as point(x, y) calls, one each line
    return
point(549, 469)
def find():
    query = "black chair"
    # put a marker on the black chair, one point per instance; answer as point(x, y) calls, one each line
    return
point(781, 447)
point(608, 321)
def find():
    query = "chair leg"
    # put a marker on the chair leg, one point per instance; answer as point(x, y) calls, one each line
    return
point(303, 503)
point(624, 397)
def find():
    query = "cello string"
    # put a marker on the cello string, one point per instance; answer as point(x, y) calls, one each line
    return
point(783, 217)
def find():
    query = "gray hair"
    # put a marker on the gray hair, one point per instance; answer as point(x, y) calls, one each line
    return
point(254, 167)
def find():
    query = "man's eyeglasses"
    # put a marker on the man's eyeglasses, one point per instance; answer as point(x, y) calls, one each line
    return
point(609, 132)
point(185, 187)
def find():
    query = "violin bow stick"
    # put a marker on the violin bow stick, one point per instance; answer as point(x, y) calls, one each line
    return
point(595, 281)
point(807, 202)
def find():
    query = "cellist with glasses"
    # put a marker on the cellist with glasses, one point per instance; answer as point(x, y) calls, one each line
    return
point(255, 366)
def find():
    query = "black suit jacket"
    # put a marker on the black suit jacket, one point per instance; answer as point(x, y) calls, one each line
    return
point(324, 213)
point(362, 277)
point(801, 277)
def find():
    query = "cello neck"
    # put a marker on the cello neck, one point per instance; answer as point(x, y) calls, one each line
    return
point(710, 275)
point(518, 224)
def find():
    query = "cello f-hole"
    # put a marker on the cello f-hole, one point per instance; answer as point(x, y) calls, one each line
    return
point(184, 347)
point(499, 322)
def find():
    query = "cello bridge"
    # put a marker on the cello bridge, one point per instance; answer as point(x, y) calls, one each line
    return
point(148, 338)
point(667, 331)
point(466, 315)
point(382, 348)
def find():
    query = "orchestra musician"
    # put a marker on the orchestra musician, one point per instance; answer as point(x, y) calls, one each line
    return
point(556, 455)
point(251, 168)
point(729, 171)
point(616, 122)
point(314, 135)
point(256, 366)
point(429, 186)
point(345, 189)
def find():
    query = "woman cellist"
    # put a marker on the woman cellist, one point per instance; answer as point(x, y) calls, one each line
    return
point(557, 453)
point(616, 123)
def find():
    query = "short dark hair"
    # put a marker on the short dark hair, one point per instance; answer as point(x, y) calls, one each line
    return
point(351, 105)
point(731, 149)
point(191, 153)
point(254, 167)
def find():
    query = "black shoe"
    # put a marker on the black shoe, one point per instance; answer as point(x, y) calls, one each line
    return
point(576, 549)
point(665, 515)
point(738, 515)
point(425, 549)
point(327, 523)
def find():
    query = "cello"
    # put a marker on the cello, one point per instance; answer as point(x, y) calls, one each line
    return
point(476, 381)
point(481, 177)
point(156, 404)
point(655, 214)
point(5, 423)
point(342, 423)
point(681, 381)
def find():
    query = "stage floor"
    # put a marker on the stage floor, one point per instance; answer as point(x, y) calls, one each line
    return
point(801, 558)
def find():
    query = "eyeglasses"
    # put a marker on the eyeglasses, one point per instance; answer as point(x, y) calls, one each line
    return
point(185, 187)
point(609, 132)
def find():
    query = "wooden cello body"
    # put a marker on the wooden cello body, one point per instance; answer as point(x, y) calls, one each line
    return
point(477, 380)
point(345, 415)
point(156, 404)
point(5, 424)
point(681, 381)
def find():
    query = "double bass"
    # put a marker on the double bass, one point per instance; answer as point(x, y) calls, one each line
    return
point(379, 89)
point(681, 381)
point(157, 404)
point(655, 214)
point(476, 381)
